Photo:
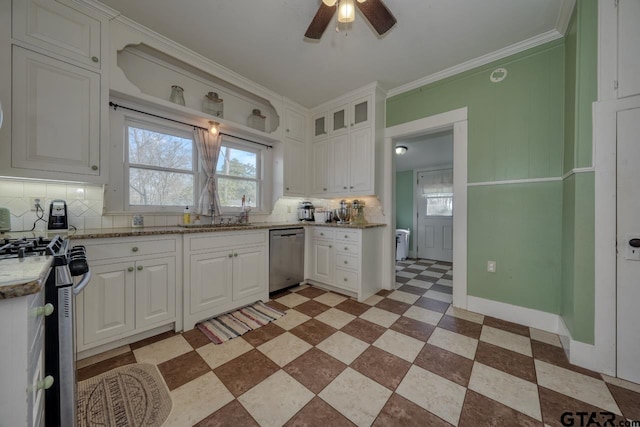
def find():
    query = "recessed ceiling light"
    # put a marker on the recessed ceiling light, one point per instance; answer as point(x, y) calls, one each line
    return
point(401, 149)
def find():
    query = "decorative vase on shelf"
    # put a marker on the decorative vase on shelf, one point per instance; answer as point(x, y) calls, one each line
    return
point(177, 95)
point(257, 120)
point(213, 105)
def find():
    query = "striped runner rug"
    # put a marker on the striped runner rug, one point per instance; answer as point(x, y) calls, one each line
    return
point(230, 325)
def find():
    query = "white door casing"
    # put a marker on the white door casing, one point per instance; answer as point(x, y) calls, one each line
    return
point(434, 234)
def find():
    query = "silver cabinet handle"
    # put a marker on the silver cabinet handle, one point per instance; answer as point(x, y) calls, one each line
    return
point(140, 268)
point(46, 310)
point(130, 269)
point(134, 249)
point(95, 59)
point(45, 383)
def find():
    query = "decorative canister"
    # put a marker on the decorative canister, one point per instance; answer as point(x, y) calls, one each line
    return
point(257, 120)
point(137, 221)
point(213, 105)
point(177, 95)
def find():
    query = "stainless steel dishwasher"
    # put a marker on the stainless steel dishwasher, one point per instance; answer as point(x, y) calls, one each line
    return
point(286, 258)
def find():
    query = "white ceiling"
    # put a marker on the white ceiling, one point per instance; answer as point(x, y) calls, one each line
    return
point(426, 152)
point(263, 39)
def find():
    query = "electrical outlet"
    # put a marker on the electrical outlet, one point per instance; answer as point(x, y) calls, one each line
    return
point(37, 200)
point(491, 266)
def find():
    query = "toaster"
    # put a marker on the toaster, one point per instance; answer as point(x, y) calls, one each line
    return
point(5, 220)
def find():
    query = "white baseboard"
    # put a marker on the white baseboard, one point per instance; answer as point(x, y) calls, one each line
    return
point(514, 313)
point(565, 337)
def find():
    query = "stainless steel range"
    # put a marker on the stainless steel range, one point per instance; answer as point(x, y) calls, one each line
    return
point(60, 289)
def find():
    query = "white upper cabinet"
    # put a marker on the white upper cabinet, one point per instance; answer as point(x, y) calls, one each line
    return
point(628, 42)
point(295, 125)
point(338, 119)
point(360, 110)
point(295, 176)
point(320, 168)
point(320, 123)
point(361, 173)
point(339, 164)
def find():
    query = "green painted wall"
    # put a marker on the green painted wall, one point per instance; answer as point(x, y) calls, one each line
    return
point(568, 249)
point(404, 202)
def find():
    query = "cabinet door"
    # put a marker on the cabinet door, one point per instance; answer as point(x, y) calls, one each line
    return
point(361, 164)
point(320, 175)
point(322, 259)
point(56, 119)
point(628, 42)
point(211, 280)
point(295, 125)
point(339, 164)
point(58, 29)
point(250, 272)
point(108, 302)
point(155, 291)
point(320, 124)
point(360, 111)
point(294, 168)
point(339, 119)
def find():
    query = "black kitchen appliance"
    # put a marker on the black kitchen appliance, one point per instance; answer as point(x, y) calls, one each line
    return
point(58, 219)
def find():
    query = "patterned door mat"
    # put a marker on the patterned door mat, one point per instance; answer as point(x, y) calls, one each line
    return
point(130, 396)
point(231, 325)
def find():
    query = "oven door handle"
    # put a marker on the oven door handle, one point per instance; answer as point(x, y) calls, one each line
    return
point(82, 283)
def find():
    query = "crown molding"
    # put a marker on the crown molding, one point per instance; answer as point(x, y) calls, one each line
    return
point(96, 6)
point(479, 61)
point(566, 10)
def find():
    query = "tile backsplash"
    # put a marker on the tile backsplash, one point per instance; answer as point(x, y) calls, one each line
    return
point(85, 204)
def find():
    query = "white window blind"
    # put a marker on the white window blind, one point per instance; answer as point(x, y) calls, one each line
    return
point(437, 188)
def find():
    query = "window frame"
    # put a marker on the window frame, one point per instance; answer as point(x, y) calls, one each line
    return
point(233, 143)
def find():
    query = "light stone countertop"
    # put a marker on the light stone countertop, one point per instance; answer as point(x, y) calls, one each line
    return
point(23, 276)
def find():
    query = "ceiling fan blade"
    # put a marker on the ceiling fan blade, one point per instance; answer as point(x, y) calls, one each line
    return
point(320, 21)
point(378, 15)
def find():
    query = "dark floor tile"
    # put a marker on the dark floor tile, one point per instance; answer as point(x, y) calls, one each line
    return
point(232, 414)
point(311, 292)
point(412, 289)
point(313, 331)
point(363, 330)
point(275, 304)
point(182, 369)
point(318, 413)
point(438, 270)
point(628, 401)
point(383, 292)
point(442, 288)
point(554, 405)
point(263, 334)
point(413, 328)
point(425, 278)
point(448, 276)
point(402, 279)
point(278, 294)
point(432, 304)
point(353, 307)
point(461, 326)
point(399, 411)
point(412, 270)
point(246, 371)
point(104, 366)
point(315, 369)
point(445, 363)
point(556, 356)
point(138, 344)
point(482, 411)
point(507, 361)
point(424, 262)
point(393, 306)
point(382, 367)
point(450, 264)
point(506, 326)
point(196, 338)
point(312, 308)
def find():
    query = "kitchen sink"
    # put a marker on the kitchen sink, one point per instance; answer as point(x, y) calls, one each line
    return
point(213, 225)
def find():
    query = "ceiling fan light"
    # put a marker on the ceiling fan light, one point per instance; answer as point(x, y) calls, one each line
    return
point(329, 2)
point(401, 149)
point(346, 11)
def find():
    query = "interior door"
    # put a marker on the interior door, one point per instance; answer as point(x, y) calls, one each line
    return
point(434, 195)
point(628, 252)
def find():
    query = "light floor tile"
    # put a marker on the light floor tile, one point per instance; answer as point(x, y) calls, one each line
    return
point(465, 315)
point(355, 396)
point(218, 354)
point(284, 348)
point(507, 389)
point(343, 347)
point(102, 356)
point(162, 351)
point(405, 274)
point(380, 317)
point(440, 296)
point(441, 266)
point(544, 336)
point(576, 385)
point(505, 339)
point(336, 318)
point(400, 345)
point(453, 342)
point(330, 299)
point(420, 284)
point(418, 267)
point(445, 282)
point(622, 383)
point(432, 274)
point(291, 300)
point(276, 399)
point(373, 300)
point(403, 297)
point(196, 400)
point(292, 319)
point(423, 315)
point(437, 395)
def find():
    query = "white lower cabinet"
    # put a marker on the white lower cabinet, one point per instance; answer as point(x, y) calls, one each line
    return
point(322, 255)
point(226, 271)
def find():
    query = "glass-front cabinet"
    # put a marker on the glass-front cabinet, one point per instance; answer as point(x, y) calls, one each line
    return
point(360, 110)
point(339, 119)
point(320, 123)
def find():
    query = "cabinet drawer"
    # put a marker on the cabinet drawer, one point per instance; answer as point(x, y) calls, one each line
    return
point(226, 241)
point(323, 233)
point(347, 236)
point(134, 248)
point(347, 248)
point(347, 279)
point(348, 262)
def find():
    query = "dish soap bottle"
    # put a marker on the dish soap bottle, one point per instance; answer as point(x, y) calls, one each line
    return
point(186, 216)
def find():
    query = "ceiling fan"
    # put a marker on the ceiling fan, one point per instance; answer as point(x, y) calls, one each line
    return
point(374, 10)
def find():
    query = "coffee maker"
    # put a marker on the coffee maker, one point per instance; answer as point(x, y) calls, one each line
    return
point(58, 219)
point(305, 211)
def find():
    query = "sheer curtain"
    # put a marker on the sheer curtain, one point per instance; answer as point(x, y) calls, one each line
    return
point(209, 149)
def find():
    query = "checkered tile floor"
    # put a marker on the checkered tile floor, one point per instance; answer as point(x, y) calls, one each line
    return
point(401, 358)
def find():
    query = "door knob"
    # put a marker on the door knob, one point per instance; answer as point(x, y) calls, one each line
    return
point(635, 243)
